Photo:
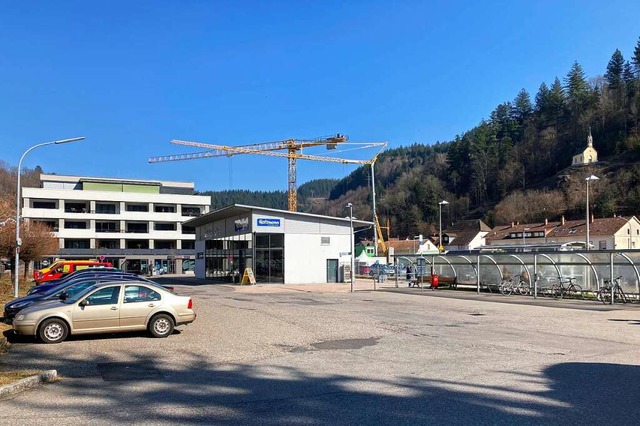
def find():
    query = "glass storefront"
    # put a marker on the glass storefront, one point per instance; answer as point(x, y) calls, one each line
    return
point(227, 259)
point(269, 258)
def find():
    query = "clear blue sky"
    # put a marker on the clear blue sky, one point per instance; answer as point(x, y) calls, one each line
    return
point(132, 75)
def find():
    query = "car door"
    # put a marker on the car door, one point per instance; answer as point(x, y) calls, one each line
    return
point(138, 303)
point(98, 311)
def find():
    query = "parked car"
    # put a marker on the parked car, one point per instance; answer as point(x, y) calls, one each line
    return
point(84, 273)
point(104, 275)
point(65, 267)
point(60, 291)
point(107, 307)
point(380, 269)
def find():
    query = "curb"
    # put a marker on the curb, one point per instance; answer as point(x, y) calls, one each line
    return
point(28, 383)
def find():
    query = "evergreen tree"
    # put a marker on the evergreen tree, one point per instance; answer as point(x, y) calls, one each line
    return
point(522, 108)
point(556, 102)
point(577, 89)
point(615, 68)
point(636, 58)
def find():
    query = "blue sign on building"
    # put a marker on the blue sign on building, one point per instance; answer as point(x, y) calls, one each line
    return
point(269, 222)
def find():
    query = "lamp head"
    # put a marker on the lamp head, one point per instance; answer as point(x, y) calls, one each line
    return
point(593, 177)
point(349, 205)
point(69, 140)
point(443, 202)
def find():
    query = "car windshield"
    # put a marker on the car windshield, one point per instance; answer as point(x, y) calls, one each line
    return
point(73, 299)
point(73, 289)
point(54, 289)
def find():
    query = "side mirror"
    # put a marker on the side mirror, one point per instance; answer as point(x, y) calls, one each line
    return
point(63, 295)
point(84, 302)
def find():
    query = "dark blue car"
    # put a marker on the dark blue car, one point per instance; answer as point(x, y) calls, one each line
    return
point(83, 274)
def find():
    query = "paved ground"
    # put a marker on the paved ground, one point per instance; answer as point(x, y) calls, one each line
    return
point(317, 354)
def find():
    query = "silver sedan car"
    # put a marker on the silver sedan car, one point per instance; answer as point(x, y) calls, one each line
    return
point(107, 307)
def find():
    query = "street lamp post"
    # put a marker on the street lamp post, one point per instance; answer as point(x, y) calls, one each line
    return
point(592, 177)
point(350, 206)
point(18, 240)
point(440, 247)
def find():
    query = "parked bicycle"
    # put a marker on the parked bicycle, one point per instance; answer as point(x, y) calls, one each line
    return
point(573, 290)
point(517, 285)
point(609, 290)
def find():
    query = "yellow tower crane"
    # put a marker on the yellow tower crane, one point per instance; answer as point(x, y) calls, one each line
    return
point(290, 149)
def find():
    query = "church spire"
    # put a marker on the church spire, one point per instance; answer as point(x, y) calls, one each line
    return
point(590, 139)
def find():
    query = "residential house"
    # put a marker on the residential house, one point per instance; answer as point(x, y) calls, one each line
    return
point(465, 235)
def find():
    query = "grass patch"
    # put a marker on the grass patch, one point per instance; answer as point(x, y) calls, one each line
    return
point(7, 377)
point(6, 294)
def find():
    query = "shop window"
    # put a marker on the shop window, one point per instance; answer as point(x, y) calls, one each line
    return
point(188, 245)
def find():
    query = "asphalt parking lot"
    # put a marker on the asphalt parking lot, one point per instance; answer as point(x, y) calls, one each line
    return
point(321, 355)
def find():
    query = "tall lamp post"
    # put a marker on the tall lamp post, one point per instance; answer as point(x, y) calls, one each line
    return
point(350, 207)
point(440, 246)
point(18, 240)
point(592, 177)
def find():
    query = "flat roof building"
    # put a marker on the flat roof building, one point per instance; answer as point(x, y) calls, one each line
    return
point(135, 224)
point(278, 246)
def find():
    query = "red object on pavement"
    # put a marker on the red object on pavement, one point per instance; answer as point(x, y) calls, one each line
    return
point(434, 281)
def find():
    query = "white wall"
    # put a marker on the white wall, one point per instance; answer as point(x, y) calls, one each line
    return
point(306, 259)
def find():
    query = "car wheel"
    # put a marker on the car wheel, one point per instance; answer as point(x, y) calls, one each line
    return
point(53, 331)
point(161, 325)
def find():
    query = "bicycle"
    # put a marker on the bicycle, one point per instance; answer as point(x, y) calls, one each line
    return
point(572, 290)
point(607, 290)
point(508, 286)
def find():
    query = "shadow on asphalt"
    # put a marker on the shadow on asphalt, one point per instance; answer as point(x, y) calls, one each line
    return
point(567, 393)
point(16, 338)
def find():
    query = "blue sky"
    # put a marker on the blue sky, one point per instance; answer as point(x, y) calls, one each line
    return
point(131, 76)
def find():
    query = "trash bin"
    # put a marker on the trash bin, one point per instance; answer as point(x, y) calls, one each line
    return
point(434, 280)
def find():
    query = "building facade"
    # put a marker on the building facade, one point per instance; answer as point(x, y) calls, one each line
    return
point(278, 246)
point(134, 224)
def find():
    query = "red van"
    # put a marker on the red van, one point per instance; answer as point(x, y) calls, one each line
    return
point(65, 267)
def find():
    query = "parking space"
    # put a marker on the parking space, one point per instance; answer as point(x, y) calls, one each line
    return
point(317, 354)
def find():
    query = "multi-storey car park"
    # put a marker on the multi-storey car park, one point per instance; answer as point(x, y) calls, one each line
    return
point(134, 224)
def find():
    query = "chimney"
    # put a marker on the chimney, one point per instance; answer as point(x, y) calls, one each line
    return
point(592, 218)
point(546, 221)
point(562, 220)
point(512, 224)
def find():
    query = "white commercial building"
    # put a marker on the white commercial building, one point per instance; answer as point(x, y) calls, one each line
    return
point(134, 224)
point(278, 246)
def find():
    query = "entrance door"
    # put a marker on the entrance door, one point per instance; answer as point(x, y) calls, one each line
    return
point(332, 270)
